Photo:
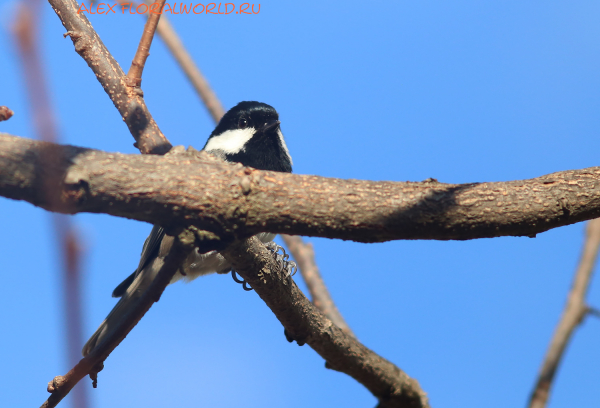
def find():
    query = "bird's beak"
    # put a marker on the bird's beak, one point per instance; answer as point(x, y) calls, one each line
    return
point(272, 124)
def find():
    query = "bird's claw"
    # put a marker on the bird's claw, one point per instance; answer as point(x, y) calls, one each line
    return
point(245, 285)
point(289, 267)
point(281, 257)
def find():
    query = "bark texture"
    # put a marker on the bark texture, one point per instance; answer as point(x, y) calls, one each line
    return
point(306, 324)
point(304, 255)
point(127, 99)
point(232, 201)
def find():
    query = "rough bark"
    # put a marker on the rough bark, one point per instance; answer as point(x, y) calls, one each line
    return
point(306, 324)
point(235, 202)
point(127, 99)
point(304, 255)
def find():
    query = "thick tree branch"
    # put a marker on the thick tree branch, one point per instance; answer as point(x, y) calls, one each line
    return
point(233, 201)
point(306, 324)
point(128, 101)
point(304, 255)
point(573, 314)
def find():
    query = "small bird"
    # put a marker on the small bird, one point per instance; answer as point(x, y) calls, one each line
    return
point(249, 134)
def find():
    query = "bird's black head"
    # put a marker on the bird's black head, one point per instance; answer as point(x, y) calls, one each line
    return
point(249, 133)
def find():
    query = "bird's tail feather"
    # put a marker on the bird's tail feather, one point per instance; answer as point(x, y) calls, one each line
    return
point(119, 315)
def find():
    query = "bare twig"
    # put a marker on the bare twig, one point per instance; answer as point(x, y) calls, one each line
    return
point(5, 113)
point(128, 101)
point(182, 56)
point(27, 37)
point(173, 42)
point(305, 324)
point(60, 386)
point(573, 314)
point(134, 75)
point(304, 255)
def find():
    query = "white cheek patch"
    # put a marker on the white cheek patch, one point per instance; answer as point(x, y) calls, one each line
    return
point(231, 141)
point(285, 149)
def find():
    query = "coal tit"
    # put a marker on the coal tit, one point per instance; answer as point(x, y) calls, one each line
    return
point(249, 134)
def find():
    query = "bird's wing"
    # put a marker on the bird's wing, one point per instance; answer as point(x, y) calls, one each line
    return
point(156, 248)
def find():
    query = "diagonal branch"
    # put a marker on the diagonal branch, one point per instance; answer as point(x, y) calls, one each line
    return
point(128, 101)
point(60, 386)
point(306, 324)
point(233, 201)
point(574, 313)
point(304, 255)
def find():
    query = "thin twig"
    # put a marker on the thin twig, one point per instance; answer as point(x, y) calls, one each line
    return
point(5, 113)
point(573, 314)
point(27, 37)
point(128, 101)
point(143, 51)
point(304, 255)
point(173, 42)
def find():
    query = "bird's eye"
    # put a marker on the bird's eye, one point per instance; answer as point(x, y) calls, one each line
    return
point(243, 123)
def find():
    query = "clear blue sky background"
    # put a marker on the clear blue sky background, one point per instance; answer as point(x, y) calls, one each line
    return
point(463, 91)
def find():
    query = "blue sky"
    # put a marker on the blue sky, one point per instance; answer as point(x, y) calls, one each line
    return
point(461, 91)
